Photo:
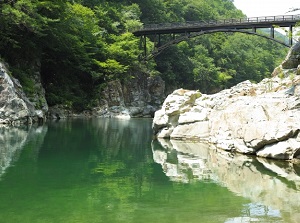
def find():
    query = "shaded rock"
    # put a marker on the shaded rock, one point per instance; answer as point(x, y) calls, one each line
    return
point(59, 112)
point(139, 97)
point(292, 60)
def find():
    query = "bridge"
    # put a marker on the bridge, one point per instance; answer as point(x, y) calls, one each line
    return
point(183, 31)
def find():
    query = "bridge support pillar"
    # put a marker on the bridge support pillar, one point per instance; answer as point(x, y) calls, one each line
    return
point(272, 32)
point(143, 44)
point(291, 35)
point(159, 43)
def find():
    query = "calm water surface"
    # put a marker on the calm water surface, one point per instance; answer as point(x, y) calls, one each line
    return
point(108, 170)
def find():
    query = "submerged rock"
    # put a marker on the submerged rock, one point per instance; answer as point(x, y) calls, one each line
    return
point(249, 118)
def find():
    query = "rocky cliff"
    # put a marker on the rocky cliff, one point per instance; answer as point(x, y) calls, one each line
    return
point(261, 119)
point(15, 107)
point(140, 97)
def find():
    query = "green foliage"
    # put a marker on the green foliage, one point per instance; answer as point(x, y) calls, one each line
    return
point(205, 72)
point(78, 45)
point(125, 49)
point(112, 68)
point(131, 17)
point(24, 76)
point(297, 34)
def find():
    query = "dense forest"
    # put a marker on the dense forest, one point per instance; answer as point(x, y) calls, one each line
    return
point(79, 45)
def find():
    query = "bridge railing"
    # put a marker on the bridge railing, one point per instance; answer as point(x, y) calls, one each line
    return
point(250, 20)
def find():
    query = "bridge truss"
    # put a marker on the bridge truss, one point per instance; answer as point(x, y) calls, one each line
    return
point(183, 31)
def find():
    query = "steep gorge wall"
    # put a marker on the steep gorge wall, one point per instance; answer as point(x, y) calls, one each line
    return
point(15, 107)
point(140, 97)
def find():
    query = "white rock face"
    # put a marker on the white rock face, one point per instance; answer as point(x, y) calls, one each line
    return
point(15, 107)
point(12, 107)
point(249, 118)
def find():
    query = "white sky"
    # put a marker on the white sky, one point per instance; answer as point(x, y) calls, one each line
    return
point(255, 8)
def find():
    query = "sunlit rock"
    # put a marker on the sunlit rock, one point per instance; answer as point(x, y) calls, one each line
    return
point(281, 150)
point(15, 107)
point(197, 115)
point(246, 118)
point(160, 120)
point(195, 130)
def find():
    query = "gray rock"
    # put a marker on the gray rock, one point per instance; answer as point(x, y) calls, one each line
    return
point(292, 60)
point(244, 119)
point(59, 112)
point(15, 107)
point(139, 97)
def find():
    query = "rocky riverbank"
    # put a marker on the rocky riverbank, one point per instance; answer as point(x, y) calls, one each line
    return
point(140, 97)
point(15, 107)
point(261, 119)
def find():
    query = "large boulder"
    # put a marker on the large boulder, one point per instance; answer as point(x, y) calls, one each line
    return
point(261, 119)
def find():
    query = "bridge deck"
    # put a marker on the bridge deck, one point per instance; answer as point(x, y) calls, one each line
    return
point(196, 26)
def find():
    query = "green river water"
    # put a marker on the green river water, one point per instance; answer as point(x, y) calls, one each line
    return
point(112, 171)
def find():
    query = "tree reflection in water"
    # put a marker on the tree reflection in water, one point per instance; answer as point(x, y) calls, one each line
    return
point(102, 170)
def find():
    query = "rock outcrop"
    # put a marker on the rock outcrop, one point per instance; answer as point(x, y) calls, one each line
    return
point(140, 97)
point(261, 119)
point(292, 60)
point(15, 107)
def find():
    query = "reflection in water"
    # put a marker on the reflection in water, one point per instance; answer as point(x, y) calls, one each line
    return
point(12, 141)
point(274, 184)
point(102, 170)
